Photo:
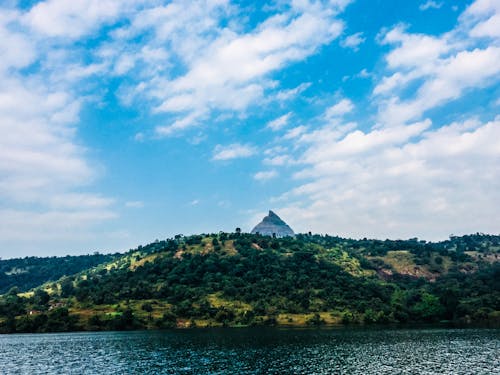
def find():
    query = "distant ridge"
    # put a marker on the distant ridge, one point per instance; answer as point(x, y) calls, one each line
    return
point(273, 225)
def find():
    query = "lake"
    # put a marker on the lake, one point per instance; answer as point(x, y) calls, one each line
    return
point(255, 351)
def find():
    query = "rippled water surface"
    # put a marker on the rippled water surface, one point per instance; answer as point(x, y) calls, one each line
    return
point(255, 351)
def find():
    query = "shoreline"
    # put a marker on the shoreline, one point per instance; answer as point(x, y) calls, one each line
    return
point(259, 327)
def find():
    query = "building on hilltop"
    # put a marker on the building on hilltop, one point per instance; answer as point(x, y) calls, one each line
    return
point(272, 225)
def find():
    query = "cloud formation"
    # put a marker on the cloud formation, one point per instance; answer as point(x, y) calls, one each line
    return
point(233, 151)
point(265, 175)
point(280, 122)
point(225, 69)
point(44, 171)
point(353, 41)
point(430, 4)
point(408, 175)
point(182, 62)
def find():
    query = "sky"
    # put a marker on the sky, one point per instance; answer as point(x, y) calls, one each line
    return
point(123, 122)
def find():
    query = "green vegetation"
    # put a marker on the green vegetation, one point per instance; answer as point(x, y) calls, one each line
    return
point(236, 279)
point(30, 272)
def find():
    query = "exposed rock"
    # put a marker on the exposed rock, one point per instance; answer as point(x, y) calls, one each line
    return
point(272, 225)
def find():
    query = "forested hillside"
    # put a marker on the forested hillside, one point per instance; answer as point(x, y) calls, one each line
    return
point(240, 279)
point(29, 272)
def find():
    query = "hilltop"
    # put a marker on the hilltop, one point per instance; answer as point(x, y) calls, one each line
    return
point(272, 225)
point(237, 279)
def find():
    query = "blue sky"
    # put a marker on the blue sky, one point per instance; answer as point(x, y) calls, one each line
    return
point(126, 121)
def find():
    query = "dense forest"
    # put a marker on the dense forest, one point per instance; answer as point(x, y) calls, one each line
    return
point(237, 279)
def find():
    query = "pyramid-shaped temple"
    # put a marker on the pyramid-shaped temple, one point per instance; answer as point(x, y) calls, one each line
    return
point(272, 225)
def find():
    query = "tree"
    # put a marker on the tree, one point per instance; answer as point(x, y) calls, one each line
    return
point(67, 288)
point(148, 308)
point(41, 297)
point(429, 308)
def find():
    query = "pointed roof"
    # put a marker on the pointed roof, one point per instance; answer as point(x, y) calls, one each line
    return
point(273, 225)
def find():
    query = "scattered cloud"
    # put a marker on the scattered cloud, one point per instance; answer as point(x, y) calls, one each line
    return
point(295, 132)
point(430, 4)
point(58, 18)
point(280, 122)
point(265, 175)
point(181, 62)
point(187, 64)
point(233, 151)
point(289, 94)
point(278, 160)
point(225, 69)
point(364, 74)
point(443, 69)
point(341, 108)
point(353, 41)
point(44, 171)
point(409, 173)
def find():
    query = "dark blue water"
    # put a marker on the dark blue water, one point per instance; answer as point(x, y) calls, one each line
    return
point(255, 351)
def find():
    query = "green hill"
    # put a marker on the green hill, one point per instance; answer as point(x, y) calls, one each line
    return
point(30, 272)
point(236, 279)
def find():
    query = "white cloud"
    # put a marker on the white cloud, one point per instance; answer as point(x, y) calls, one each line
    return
point(295, 132)
point(341, 108)
point(353, 41)
point(408, 174)
point(233, 151)
point(358, 143)
point(488, 28)
point(225, 69)
point(364, 74)
point(415, 49)
point(124, 64)
point(390, 83)
point(37, 154)
point(289, 94)
point(18, 50)
point(386, 185)
point(265, 175)
point(450, 78)
point(280, 122)
point(182, 61)
point(42, 167)
point(278, 160)
point(180, 124)
point(44, 171)
point(482, 7)
point(430, 4)
point(442, 68)
point(480, 19)
point(60, 18)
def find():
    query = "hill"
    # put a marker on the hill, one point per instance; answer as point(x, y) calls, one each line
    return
point(29, 272)
point(238, 279)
